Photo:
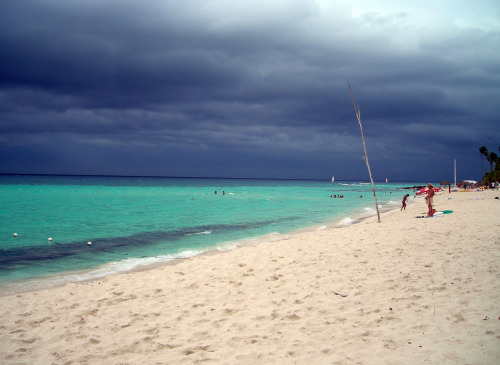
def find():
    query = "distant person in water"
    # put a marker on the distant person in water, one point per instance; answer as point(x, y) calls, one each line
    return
point(404, 201)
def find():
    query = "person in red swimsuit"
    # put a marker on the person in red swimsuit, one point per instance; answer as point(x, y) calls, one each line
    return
point(430, 200)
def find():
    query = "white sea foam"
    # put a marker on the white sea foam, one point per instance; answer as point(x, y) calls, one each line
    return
point(321, 228)
point(370, 211)
point(112, 268)
point(227, 247)
point(275, 237)
point(345, 222)
point(271, 237)
point(205, 232)
point(128, 265)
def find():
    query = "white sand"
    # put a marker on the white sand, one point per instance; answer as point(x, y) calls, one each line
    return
point(404, 291)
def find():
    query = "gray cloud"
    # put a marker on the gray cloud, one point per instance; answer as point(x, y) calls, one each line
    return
point(251, 89)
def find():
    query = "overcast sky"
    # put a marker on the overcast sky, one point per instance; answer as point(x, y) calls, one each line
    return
point(256, 88)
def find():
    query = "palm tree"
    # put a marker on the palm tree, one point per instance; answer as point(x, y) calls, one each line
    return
point(484, 152)
point(487, 155)
point(493, 160)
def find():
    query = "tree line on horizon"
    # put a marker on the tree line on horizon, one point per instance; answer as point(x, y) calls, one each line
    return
point(494, 174)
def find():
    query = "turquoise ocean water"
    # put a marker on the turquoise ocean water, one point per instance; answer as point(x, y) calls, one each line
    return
point(134, 222)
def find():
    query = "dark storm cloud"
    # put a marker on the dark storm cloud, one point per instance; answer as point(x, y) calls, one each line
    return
point(246, 88)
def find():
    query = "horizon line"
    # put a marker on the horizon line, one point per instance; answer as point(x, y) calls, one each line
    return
point(195, 177)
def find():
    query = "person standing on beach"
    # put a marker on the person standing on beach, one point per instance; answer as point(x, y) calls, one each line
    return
point(430, 196)
point(404, 201)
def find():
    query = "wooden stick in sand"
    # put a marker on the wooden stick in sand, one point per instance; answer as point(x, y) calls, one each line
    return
point(365, 158)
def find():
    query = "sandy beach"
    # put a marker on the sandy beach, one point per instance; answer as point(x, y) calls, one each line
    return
point(404, 291)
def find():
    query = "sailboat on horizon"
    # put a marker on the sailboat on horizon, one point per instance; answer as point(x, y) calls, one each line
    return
point(333, 178)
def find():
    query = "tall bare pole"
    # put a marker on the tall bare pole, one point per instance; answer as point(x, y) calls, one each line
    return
point(455, 169)
point(365, 158)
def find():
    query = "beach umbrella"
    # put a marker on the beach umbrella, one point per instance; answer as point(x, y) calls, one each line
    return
point(467, 183)
point(445, 182)
point(473, 182)
point(424, 190)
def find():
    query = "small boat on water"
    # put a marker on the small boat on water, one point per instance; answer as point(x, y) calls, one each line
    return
point(333, 178)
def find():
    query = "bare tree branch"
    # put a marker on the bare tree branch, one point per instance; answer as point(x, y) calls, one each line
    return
point(365, 158)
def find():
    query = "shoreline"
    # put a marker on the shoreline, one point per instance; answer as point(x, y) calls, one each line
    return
point(402, 291)
point(101, 272)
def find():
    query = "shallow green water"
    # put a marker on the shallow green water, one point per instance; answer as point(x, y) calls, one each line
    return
point(138, 221)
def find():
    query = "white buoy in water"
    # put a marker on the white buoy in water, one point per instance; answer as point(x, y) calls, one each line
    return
point(14, 235)
point(50, 238)
point(89, 243)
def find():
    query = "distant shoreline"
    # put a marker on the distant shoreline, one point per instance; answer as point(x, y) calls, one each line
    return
point(207, 178)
